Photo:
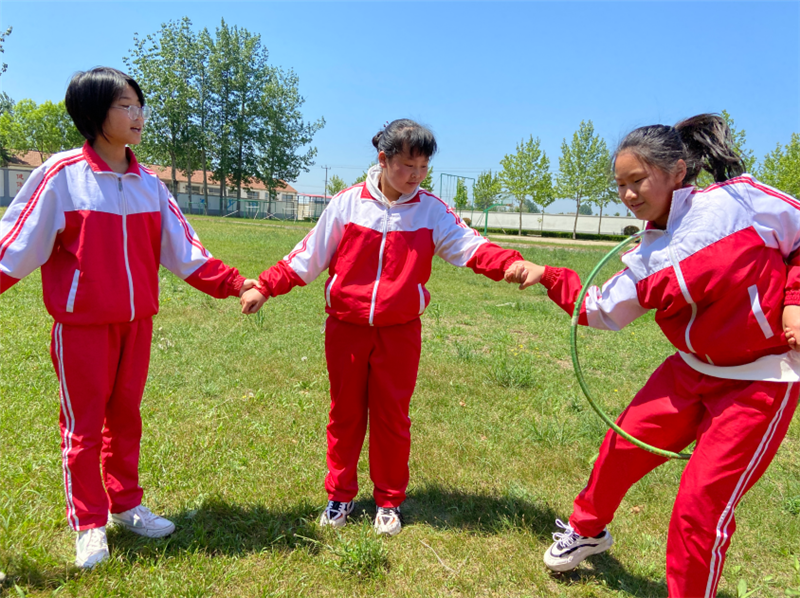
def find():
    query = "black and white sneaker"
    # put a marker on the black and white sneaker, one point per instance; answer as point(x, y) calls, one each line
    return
point(335, 514)
point(570, 548)
point(389, 520)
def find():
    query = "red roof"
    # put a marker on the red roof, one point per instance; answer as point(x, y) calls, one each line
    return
point(33, 159)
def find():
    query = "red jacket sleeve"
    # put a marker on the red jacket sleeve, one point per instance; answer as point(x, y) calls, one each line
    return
point(492, 260)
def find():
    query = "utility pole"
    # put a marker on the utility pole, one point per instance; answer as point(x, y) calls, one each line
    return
point(325, 189)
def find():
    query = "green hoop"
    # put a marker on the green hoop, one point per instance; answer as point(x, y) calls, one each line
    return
point(573, 339)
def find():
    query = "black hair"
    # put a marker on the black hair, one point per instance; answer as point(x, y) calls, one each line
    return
point(703, 142)
point(90, 95)
point(405, 135)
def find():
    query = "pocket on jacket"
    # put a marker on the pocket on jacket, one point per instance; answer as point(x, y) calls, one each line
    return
point(73, 291)
point(328, 290)
point(422, 301)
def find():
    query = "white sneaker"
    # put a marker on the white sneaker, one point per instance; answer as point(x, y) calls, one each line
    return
point(91, 547)
point(389, 520)
point(335, 514)
point(140, 520)
point(570, 548)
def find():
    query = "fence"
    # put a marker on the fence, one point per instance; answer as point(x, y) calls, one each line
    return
point(252, 209)
point(610, 225)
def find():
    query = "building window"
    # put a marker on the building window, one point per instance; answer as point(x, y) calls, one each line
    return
point(287, 197)
point(196, 189)
point(252, 195)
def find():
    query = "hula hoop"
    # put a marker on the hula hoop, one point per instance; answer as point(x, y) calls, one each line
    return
point(573, 338)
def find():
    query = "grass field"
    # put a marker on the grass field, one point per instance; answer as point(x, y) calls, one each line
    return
point(234, 451)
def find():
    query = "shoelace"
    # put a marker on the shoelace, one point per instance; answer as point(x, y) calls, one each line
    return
point(390, 512)
point(336, 508)
point(144, 514)
point(566, 538)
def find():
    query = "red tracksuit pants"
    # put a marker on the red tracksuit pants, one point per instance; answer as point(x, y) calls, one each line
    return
point(373, 371)
point(738, 426)
point(101, 372)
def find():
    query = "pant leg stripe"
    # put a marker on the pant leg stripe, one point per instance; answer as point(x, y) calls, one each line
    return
point(715, 569)
point(69, 417)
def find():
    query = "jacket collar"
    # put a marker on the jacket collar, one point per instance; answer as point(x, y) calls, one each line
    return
point(678, 206)
point(97, 163)
point(372, 190)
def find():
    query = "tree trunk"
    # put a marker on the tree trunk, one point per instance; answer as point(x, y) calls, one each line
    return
point(205, 182)
point(189, 184)
point(577, 213)
point(174, 175)
point(599, 224)
point(520, 217)
point(541, 222)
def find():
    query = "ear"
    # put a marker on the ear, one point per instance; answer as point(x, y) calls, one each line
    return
point(382, 159)
point(679, 173)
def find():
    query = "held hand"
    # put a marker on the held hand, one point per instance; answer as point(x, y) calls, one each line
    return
point(252, 301)
point(526, 274)
point(791, 325)
point(248, 284)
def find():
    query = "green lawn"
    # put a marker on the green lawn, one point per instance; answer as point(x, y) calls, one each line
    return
point(234, 451)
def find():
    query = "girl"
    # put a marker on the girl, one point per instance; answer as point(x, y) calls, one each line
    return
point(99, 224)
point(718, 265)
point(377, 240)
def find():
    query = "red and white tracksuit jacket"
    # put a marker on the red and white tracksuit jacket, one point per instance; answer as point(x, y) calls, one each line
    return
point(99, 238)
point(378, 257)
point(718, 277)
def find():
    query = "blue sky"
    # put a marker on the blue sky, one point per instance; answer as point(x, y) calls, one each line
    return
point(482, 75)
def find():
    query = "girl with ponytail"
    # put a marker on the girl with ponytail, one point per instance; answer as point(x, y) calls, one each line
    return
point(721, 267)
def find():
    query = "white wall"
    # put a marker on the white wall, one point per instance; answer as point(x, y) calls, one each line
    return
point(611, 225)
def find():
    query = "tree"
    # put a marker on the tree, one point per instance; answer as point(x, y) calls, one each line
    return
point(609, 195)
point(585, 209)
point(363, 176)
point(461, 198)
point(45, 128)
point(3, 37)
point(284, 133)
point(526, 175)
point(335, 185)
point(582, 168)
point(427, 182)
point(162, 64)
point(738, 138)
point(487, 189)
point(781, 167)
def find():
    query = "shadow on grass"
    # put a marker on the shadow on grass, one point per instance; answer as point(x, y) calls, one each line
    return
point(450, 508)
point(220, 528)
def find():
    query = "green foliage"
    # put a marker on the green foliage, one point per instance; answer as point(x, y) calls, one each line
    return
point(3, 36)
point(461, 198)
point(427, 182)
point(363, 176)
point(781, 167)
point(585, 209)
point(218, 104)
point(583, 168)
point(45, 128)
point(487, 190)
point(335, 184)
point(526, 175)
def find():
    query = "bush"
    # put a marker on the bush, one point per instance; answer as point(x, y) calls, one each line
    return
point(467, 220)
point(630, 230)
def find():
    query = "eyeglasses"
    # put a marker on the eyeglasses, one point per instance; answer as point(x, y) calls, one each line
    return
point(135, 112)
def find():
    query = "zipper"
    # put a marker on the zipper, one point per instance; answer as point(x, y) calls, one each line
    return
point(328, 290)
point(125, 245)
point(73, 290)
point(684, 291)
point(380, 267)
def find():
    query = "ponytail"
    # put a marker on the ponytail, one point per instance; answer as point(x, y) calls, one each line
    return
point(709, 147)
point(703, 142)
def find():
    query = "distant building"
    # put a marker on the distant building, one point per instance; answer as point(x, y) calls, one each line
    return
point(19, 168)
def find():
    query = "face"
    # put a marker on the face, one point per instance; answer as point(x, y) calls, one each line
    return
point(647, 191)
point(404, 172)
point(118, 127)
